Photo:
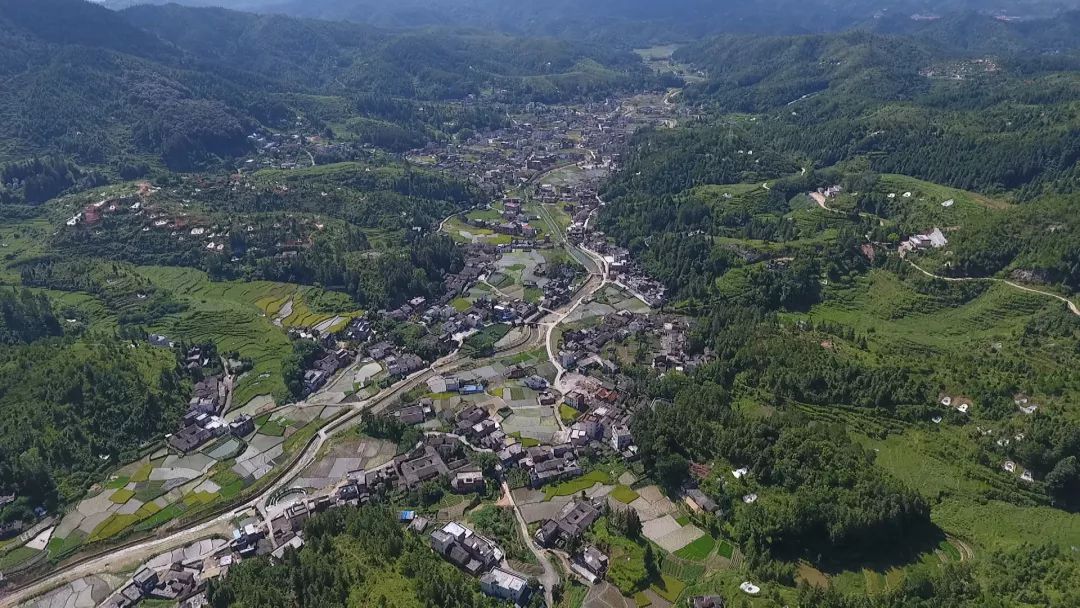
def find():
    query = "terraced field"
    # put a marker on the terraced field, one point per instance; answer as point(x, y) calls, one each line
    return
point(240, 316)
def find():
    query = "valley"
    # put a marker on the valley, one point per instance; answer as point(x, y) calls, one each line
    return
point(350, 316)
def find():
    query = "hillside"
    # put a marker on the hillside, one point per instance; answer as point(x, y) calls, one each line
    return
point(990, 123)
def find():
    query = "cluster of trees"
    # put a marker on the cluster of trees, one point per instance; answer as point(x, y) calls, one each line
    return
point(133, 298)
point(40, 179)
point(1051, 447)
point(90, 404)
point(304, 354)
point(1032, 575)
point(831, 500)
point(1042, 237)
point(26, 317)
point(640, 23)
point(405, 436)
point(351, 553)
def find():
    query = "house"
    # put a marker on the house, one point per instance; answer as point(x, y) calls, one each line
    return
point(428, 465)
point(466, 549)
point(511, 454)
point(206, 396)
point(706, 601)
point(621, 438)
point(594, 561)
point(160, 341)
point(405, 365)
point(505, 585)
point(242, 426)
point(536, 383)
point(548, 533)
point(577, 400)
point(698, 501)
point(465, 482)
point(572, 521)
point(554, 470)
point(188, 439)
point(413, 414)
point(145, 579)
point(132, 594)
point(380, 351)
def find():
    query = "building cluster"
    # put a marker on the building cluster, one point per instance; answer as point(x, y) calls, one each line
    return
point(479, 261)
point(202, 421)
point(482, 557)
point(180, 581)
point(398, 363)
point(292, 148)
point(466, 549)
point(515, 154)
point(623, 270)
point(324, 368)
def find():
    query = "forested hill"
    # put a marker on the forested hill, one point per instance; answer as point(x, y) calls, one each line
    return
point(980, 33)
point(992, 123)
point(187, 85)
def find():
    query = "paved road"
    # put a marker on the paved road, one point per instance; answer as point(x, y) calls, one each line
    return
point(1072, 305)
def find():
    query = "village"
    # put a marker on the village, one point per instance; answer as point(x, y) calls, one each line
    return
point(536, 429)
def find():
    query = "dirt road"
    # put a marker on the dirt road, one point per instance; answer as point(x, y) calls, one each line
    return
point(1072, 305)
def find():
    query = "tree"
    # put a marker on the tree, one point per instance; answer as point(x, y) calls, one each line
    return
point(651, 568)
point(672, 470)
point(1063, 482)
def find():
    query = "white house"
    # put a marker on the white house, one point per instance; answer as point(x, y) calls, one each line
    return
point(504, 584)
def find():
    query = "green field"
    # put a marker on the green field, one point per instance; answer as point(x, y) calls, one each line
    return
point(121, 496)
point(575, 486)
point(17, 557)
point(699, 550)
point(624, 494)
point(568, 414)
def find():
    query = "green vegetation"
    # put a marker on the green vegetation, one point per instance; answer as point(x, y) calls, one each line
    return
point(699, 550)
point(526, 442)
point(17, 557)
point(273, 427)
point(482, 344)
point(668, 587)
point(79, 416)
point(122, 496)
point(398, 85)
point(500, 525)
point(624, 494)
point(577, 485)
point(628, 570)
point(568, 414)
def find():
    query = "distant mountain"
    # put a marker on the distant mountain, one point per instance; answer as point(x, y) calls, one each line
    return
point(632, 22)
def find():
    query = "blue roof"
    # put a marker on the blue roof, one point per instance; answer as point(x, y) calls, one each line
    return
point(407, 515)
